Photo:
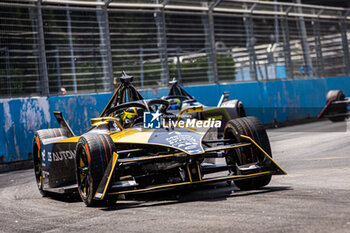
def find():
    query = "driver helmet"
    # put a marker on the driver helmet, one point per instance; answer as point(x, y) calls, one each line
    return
point(130, 115)
point(175, 104)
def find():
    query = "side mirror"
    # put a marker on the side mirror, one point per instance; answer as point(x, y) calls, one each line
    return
point(105, 120)
point(190, 109)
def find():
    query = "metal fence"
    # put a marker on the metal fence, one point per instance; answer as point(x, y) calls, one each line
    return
point(83, 45)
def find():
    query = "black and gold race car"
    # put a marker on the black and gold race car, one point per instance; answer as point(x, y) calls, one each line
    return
point(130, 149)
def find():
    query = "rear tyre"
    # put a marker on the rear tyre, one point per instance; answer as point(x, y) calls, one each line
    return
point(39, 136)
point(93, 153)
point(335, 95)
point(253, 128)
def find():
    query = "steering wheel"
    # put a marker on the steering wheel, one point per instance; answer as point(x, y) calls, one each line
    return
point(165, 104)
point(127, 105)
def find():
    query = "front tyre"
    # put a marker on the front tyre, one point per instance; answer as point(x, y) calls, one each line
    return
point(253, 128)
point(93, 153)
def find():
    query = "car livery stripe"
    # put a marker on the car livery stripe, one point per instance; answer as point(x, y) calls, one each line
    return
point(148, 158)
point(54, 132)
point(115, 157)
point(60, 131)
point(72, 139)
point(132, 136)
point(225, 147)
point(256, 144)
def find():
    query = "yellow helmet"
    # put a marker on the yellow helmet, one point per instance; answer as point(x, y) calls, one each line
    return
point(129, 116)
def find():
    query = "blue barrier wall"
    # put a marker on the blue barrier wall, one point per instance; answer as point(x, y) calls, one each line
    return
point(78, 109)
point(279, 100)
point(20, 118)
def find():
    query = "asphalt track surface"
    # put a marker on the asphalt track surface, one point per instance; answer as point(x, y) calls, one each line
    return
point(313, 197)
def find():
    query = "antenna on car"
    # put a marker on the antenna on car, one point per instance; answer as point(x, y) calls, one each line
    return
point(177, 90)
point(174, 81)
point(126, 78)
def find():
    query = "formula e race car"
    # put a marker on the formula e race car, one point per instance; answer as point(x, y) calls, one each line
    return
point(225, 110)
point(336, 108)
point(129, 149)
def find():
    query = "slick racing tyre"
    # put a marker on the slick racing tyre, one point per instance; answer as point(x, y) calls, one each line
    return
point(93, 153)
point(39, 136)
point(335, 95)
point(253, 128)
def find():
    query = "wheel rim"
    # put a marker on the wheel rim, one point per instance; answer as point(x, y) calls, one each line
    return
point(83, 174)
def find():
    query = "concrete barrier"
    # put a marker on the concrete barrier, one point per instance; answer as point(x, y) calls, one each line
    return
point(279, 100)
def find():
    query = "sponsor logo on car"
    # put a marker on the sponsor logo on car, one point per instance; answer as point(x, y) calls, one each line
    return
point(57, 156)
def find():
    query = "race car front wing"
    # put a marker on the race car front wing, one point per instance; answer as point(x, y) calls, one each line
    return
point(131, 186)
